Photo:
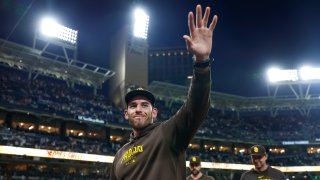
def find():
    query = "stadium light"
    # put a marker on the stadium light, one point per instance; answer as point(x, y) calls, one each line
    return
point(141, 24)
point(276, 75)
point(51, 28)
point(309, 73)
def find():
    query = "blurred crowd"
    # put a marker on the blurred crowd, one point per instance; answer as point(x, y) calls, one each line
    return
point(38, 140)
point(49, 95)
point(285, 159)
point(54, 96)
point(36, 174)
point(22, 138)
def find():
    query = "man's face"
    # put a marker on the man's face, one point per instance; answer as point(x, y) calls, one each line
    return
point(195, 168)
point(140, 112)
point(259, 161)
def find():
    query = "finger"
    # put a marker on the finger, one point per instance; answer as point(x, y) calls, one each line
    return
point(206, 17)
point(213, 23)
point(199, 16)
point(191, 23)
point(188, 41)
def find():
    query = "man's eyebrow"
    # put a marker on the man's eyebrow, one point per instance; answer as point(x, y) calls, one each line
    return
point(132, 103)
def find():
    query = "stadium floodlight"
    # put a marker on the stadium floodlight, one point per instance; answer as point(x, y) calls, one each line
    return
point(141, 24)
point(51, 28)
point(309, 73)
point(276, 75)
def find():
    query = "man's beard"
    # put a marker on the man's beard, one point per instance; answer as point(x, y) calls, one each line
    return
point(195, 172)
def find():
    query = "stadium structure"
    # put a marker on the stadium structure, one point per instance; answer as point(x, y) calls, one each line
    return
point(56, 123)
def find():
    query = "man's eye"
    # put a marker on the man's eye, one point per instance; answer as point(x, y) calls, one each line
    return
point(132, 106)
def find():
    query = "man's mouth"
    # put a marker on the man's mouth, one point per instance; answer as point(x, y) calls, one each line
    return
point(138, 116)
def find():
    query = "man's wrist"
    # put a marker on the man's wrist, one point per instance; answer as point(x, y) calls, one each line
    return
point(200, 58)
point(202, 64)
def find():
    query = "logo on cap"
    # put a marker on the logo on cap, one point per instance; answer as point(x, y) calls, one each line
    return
point(195, 160)
point(257, 150)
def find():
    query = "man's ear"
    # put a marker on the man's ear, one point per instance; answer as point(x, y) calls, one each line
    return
point(125, 112)
point(154, 113)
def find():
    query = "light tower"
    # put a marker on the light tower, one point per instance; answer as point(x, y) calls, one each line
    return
point(54, 54)
point(129, 56)
point(50, 33)
point(300, 86)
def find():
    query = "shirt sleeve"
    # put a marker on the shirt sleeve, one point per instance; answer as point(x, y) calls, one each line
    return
point(181, 128)
point(112, 175)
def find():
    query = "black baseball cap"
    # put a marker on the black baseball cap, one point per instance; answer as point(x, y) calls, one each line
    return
point(140, 92)
point(194, 160)
point(257, 150)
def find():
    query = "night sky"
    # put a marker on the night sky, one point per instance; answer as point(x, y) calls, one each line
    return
point(251, 35)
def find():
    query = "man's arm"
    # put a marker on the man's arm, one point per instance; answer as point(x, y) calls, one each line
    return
point(243, 176)
point(199, 43)
point(112, 175)
point(190, 116)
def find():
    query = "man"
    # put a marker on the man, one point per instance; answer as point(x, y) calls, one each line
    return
point(261, 170)
point(195, 168)
point(157, 150)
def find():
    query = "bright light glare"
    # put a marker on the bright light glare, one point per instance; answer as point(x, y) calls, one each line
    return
point(309, 73)
point(141, 24)
point(276, 75)
point(51, 28)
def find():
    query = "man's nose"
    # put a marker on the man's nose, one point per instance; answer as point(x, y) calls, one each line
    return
point(139, 108)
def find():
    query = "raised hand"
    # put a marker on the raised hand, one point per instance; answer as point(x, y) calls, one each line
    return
point(199, 42)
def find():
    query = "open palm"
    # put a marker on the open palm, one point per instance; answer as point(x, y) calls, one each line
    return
point(200, 40)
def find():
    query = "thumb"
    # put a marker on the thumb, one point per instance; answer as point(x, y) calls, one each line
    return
point(188, 41)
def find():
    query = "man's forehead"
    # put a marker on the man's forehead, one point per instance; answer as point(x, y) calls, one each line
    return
point(139, 99)
point(257, 156)
point(194, 164)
